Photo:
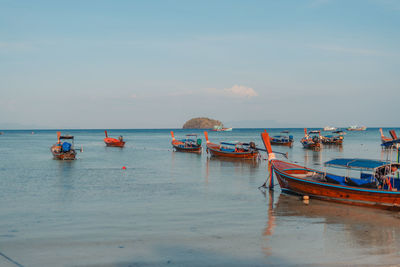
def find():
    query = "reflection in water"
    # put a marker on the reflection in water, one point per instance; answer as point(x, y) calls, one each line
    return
point(334, 147)
point(268, 231)
point(65, 179)
point(244, 166)
point(235, 162)
point(316, 157)
point(375, 231)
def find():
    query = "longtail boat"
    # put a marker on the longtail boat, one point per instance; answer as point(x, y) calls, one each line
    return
point(388, 142)
point(339, 132)
point(332, 139)
point(236, 150)
point(379, 189)
point(63, 150)
point(189, 144)
point(282, 140)
point(114, 142)
point(311, 139)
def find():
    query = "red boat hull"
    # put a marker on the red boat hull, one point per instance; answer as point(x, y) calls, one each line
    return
point(113, 142)
point(286, 175)
point(216, 151)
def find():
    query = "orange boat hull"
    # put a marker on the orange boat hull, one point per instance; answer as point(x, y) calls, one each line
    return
point(114, 142)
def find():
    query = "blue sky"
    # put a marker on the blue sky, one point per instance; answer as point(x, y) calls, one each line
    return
point(156, 64)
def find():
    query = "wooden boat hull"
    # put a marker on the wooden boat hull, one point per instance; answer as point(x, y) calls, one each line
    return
point(290, 143)
point(112, 142)
point(217, 152)
point(311, 145)
point(333, 192)
point(178, 146)
point(334, 142)
point(59, 155)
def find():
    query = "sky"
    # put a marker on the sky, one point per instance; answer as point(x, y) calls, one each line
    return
point(156, 64)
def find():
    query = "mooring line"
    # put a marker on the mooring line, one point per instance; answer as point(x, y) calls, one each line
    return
point(11, 260)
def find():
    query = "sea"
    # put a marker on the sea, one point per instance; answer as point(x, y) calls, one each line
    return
point(169, 208)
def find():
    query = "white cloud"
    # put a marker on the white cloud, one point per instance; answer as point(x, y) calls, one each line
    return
point(342, 49)
point(238, 91)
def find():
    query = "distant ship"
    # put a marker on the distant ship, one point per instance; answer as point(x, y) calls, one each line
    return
point(329, 128)
point(356, 128)
point(218, 128)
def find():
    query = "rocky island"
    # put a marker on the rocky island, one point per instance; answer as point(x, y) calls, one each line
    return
point(201, 123)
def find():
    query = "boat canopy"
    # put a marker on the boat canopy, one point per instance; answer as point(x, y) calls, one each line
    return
point(66, 137)
point(230, 144)
point(356, 163)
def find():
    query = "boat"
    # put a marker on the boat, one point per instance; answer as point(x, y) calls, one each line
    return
point(311, 139)
point(189, 144)
point(219, 128)
point(329, 129)
point(356, 128)
point(114, 142)
point(339, 132)
point(332, 139)
point(388, 142)
point(63, 150)
point(282, 140)
point(376, 187)
point(237, 150)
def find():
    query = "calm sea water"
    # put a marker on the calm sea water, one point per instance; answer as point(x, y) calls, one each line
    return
point(171, 208)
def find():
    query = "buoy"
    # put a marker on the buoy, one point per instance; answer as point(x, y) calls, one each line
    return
point(123, 167)
point(306, 202)
point(306, 197)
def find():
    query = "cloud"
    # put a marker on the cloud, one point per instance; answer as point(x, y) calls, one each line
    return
point(342, 49)
point(241, 91)
point(238, 91)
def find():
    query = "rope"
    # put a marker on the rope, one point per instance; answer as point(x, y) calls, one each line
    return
point(11, 260)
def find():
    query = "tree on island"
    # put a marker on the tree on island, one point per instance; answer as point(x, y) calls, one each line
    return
point(201, 123)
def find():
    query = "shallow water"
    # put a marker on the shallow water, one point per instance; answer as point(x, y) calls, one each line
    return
point(171, 208)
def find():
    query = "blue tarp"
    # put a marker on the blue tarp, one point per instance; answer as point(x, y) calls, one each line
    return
point(356, 163)
point(227, 149)
point(66, 147)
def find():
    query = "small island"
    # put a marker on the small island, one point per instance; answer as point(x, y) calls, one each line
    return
point(202, 123)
